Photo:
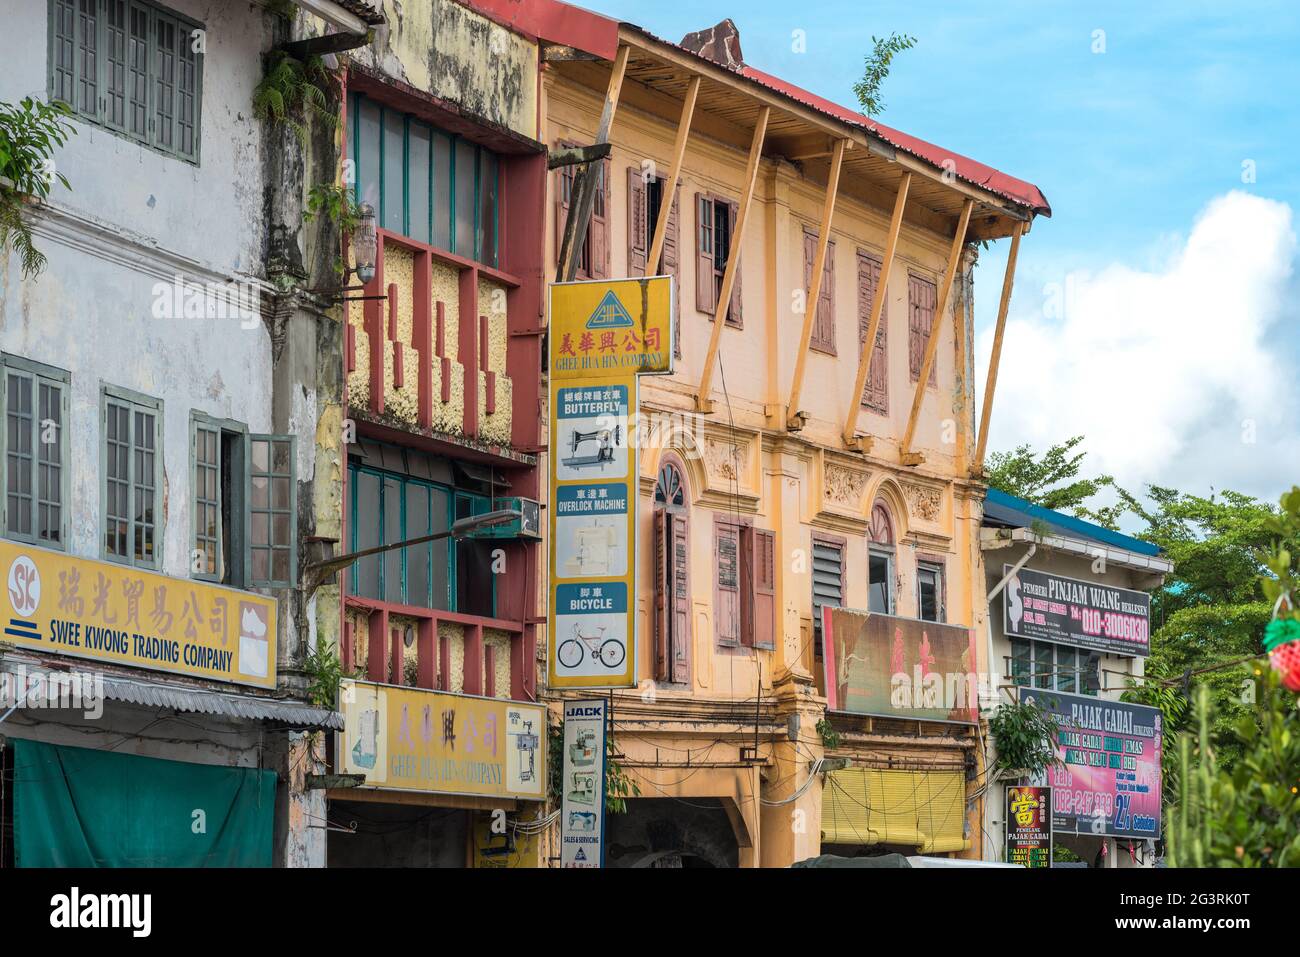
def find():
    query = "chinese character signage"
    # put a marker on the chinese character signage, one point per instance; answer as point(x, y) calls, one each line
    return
point(1090, 615)
point(582, 807)
point(1108, 779)
point(1029, 826)
point(126, 616)
point(409, 739)
point(602, 336)
point(899, 667)
point(610, 328)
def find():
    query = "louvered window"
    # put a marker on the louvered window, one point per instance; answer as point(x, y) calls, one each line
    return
point(34, 451)
point(828, 583)
point(133, 67)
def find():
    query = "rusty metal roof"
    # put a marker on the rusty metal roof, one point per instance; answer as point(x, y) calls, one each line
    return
point(371, 13)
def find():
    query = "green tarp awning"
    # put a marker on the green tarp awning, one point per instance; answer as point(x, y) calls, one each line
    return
point(75, 807)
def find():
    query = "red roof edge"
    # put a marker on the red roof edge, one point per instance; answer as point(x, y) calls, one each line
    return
point(554, 22)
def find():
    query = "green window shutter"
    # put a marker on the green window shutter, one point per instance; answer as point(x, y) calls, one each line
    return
point(33, 450)
point(272, 496)
point(130, 67)
point(205, 483)
point(131, 430)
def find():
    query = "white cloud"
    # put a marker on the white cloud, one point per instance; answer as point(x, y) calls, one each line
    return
point(1169, 371)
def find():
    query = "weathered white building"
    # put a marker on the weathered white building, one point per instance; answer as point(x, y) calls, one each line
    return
point(163, 385)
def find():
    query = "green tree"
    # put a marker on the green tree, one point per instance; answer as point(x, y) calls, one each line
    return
point(1051, 479)
point(876, 68)
point(1211, 609)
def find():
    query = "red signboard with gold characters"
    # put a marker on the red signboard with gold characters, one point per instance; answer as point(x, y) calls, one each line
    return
point(1029, 826)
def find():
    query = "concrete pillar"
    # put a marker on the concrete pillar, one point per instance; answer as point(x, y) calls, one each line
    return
point(792, 831)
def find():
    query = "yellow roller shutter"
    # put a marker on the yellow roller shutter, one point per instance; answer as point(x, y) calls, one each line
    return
point(923, 809)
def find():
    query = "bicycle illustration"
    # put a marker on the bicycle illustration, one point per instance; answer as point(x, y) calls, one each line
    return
point(608, 651)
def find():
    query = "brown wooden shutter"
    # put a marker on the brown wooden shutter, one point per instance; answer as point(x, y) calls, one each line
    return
point(598, 237)
point(727, 562)
point(680, 610)
point(875, 394)
point(734, 317)
point(637, 213)
point(809, 254)
point(921, 296)
point(563, 190)
point(704, 288)
point(823, 330)
point(671, 266)
point(763, 631)
point(662, 595)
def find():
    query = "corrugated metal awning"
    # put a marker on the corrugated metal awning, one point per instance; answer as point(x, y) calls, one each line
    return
point(191, 699)
point(924, 809)
point(294, 713)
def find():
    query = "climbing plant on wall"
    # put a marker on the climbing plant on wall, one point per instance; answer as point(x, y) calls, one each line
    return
point(30, 132)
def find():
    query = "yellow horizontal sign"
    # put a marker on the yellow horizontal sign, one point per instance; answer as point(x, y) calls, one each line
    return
point(415, 740)
point(116, 614)
point(610, 328)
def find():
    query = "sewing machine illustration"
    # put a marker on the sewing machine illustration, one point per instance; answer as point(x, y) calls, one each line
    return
point(594, 545)
point(607, 440)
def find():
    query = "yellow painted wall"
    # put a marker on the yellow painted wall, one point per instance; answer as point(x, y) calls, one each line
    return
point(741, 460)
point(832, 490)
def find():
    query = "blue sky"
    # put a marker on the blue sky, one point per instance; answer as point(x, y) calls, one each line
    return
point(1132, 146)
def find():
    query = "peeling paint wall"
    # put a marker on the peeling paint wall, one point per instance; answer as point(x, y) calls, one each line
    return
point(456, 54)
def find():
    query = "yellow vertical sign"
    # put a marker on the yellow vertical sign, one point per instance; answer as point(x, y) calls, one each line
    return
point(603, 335)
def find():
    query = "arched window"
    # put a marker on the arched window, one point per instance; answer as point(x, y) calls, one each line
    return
point(672, 593)
point(880, 561)
point(670, 489)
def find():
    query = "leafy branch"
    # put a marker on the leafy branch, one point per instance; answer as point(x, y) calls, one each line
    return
point(292, 91)
point(324, 672)
point(29, 134)
point(1025, 738)
point(876, 68)
point(335, 203)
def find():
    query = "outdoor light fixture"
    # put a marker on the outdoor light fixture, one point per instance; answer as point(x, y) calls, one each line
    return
point(364, 245)
point(461, 528)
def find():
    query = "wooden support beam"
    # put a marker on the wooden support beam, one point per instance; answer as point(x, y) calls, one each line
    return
point(1008, 280)
point(692, 64)
point(584, 187)
point(576, 155)
point(670, 187)
point(702, 402)
point(794, 420)
point(851, 438)
point(932, 347)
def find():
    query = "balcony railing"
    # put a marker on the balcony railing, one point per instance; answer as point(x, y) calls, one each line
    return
point(387, 657)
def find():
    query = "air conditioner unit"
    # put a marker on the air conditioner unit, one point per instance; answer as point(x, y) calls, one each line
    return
point(528, 524)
